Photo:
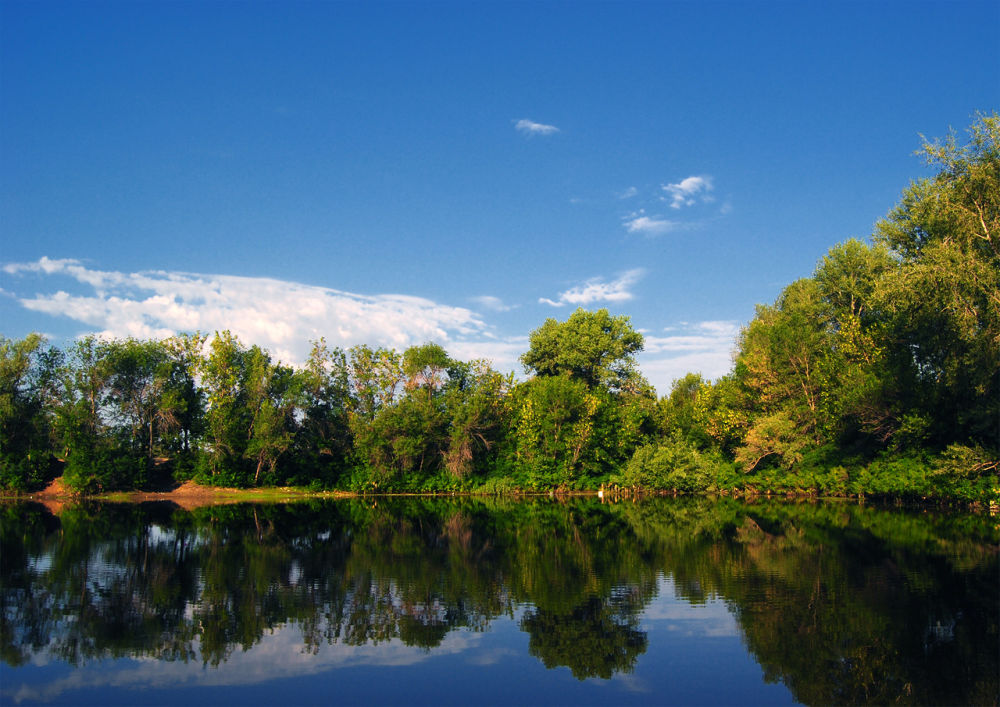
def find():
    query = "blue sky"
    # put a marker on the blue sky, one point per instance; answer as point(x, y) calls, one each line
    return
point(393, 173)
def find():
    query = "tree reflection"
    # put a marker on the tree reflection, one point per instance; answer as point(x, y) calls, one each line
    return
point(597, 639)
point(841, 603)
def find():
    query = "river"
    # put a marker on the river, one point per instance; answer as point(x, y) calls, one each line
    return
point(539, 601)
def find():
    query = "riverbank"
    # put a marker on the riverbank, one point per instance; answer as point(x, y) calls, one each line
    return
point(190, 495)
point(187, 495)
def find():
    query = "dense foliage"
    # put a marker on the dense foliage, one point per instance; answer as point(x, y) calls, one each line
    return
point(879, 374)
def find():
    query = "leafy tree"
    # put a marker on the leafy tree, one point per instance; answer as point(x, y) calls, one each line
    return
point(551, 441)
point(475, 399)
point(396, 435)
point(222, 373)
point(251, 413)
point(375, 376)
point(425, 368)
point(25, 450)
point(323, 443)
point(943, 299)
point(183, 399)
point(272, 396)
point(99, 454)
point(781, 364)
point(680, 413)
point(587, 406)
point(439, 430)
point(149, 393)
point(674, 463)
point(594, 347)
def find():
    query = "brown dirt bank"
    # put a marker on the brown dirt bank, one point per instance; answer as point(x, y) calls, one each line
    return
point(188, 495)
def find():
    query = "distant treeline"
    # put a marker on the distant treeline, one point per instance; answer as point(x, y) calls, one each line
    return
point(880, 374)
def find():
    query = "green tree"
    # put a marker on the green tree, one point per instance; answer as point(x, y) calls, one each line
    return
point(862, 394)
point(222, 373)
point(943, 299)
point(99, 454)
point(25, 448)
point(594, 347)
point(475, 400)
point(251, 413)
point(143, 395)
point(323, 444)
point(781, 363)
point(273, 393)
point(552, 435)
point(375, 376)
point(184, 399)
point(439, 427)
point(680, 413)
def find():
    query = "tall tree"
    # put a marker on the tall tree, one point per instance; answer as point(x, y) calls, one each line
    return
point(781, 363)
point(594, 347)
point(25, 450)
point(943, 300)
point(98, 450)
point(322, 443)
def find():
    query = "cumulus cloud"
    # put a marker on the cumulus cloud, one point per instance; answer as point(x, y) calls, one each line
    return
point(703, 347)
point(597, 290)
point(689, 191)
point(649, 226)
point(278, 315)
point(530, 127)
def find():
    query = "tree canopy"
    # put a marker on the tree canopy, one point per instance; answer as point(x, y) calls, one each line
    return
point(594, 347)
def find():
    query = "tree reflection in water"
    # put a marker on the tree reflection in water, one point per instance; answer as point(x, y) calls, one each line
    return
point(841, 603)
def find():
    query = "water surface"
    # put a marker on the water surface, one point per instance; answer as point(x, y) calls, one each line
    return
point(423, 601)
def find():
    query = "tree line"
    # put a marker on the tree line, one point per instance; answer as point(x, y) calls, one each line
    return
point(879, 374)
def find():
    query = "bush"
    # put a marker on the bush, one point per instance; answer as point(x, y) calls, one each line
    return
point(95, 470)
point(498, 486)
point(674, 464)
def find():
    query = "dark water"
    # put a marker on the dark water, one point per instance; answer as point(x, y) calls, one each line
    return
point(418, 601)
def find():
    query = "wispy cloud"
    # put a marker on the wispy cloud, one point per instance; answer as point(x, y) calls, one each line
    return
point(702, 347)
point(278, 315)
point(648, 226)
point(689, 191)
point(628, 193)
point(493, 303)
point(598, 290)
point(530, 127)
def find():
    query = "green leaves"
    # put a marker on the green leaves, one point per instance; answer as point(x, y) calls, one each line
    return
point(24, 445)
point(594, 347)
point(942, 302)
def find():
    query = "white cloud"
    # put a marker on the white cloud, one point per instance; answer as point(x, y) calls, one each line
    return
point(649, 226)
point(530, 127)
point(504, 353)
point(278, 654)
point(628, 193)
point(280, 316)
point(596, 290)
point(689, 191)
point(727, 328)
point(704, 347)
point(494, 303)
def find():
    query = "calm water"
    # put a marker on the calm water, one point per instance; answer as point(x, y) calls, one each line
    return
point(420, 601)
